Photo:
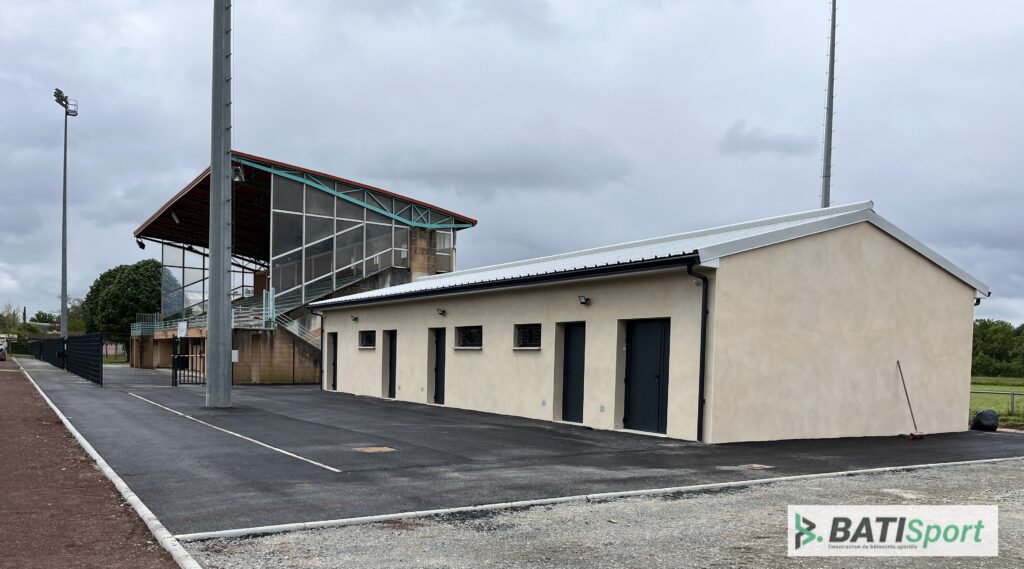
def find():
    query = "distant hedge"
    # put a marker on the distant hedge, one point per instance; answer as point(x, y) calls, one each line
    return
point(998, 349)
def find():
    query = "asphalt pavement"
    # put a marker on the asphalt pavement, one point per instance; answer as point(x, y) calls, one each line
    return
point(203, 476)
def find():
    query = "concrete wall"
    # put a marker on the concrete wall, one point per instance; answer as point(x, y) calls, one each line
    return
point(527, 383)
point(274, 357)
point(806, 335)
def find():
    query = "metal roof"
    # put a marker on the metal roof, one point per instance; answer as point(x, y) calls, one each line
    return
point(185, 218)
point(707, 245)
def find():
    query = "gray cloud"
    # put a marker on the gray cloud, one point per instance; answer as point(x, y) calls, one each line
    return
point(741, 139)
point(541, 158)
point(510, 111)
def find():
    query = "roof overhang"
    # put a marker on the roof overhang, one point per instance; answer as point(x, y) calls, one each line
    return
point(184, 219)
point(710, 255)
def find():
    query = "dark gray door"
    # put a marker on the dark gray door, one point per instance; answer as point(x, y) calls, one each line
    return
point(574, 346)
point(439, 366)
point(332, 345)
point(391, 337)
point(646, 405)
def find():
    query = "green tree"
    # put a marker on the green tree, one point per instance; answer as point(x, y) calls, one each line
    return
point(117, 296)
point(43, 317)
point(993, 338)
point(9, 319)
point(998, 349)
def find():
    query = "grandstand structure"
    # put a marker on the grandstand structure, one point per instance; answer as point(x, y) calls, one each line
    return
point(298, 236)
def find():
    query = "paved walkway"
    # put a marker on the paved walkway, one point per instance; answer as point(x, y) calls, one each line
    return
point(303, 456)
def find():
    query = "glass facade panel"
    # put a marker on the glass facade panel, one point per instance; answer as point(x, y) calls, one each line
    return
point(173, 256)
point(378, 239)
point(444, 241)
point(194, 295)
point(319, 259)
point(194, 260)
point(194, 275)
point(287, 194)
point(349, 247)
point(374, 216)
point(401, 237)
point(287, 271)
point(349, 210)
point(171, 302)
point(378, 262)
point(342, 225)
point(401, 258)
point(349, 274)
point(444, 263)
point(287, 232)
point(317, 228)
point(319, 202)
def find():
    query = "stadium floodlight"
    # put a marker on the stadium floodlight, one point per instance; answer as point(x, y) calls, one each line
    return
point(70, 110)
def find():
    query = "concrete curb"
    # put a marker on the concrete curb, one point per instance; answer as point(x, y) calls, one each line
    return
point(298, 526)
point(164, 537)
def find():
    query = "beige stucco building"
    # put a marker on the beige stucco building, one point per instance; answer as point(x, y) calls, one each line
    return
point(805, 317)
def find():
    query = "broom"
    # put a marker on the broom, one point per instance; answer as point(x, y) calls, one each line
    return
point(916, 435)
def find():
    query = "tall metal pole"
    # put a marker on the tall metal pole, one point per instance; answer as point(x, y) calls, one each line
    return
point(826, 163)
point(218, 372)
point(64, 241)
point(70, 107)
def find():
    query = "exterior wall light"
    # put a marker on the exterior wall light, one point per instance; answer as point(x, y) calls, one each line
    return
point(174, 216)
point(140, 243)
point(441, 311)
point(584, 300)
point(355, 319)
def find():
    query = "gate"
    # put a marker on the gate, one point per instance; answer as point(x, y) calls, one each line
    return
point(188, 362)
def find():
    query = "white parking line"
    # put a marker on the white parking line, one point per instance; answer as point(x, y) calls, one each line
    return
point(251, 440)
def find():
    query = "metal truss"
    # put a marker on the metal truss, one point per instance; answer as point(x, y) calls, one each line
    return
point(413, 215)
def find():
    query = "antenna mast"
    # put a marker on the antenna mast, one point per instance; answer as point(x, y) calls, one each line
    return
point(826, 163)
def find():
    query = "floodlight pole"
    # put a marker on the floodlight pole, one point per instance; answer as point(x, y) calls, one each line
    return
point(826, 162)
point(218, 331)
point(70, 110)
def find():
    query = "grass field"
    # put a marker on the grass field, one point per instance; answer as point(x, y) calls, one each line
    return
point(999, 403)
point(122, 359)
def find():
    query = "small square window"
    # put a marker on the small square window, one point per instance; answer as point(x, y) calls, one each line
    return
point(470, 336)
point(527, 336)
point(367, 338)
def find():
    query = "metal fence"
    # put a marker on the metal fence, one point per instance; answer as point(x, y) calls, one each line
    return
point(1012, 395)
point(80, 355)
point(49, 351)
point(85, 357)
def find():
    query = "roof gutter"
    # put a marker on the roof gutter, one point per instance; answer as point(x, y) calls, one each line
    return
point(686, 260)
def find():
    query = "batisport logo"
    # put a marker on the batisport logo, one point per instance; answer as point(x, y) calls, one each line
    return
point(884, 531)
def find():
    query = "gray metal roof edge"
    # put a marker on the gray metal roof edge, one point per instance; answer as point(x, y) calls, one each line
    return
point(859, 206)
point(950, 267)
point(835, 222)
point(781, 235)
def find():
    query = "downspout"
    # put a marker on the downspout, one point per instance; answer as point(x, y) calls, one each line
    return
point(703, 344)
point(321, 315)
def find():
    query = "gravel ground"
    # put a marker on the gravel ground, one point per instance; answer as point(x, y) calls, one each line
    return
point(731, 528)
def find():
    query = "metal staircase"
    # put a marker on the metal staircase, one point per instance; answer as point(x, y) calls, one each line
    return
point(312, 337)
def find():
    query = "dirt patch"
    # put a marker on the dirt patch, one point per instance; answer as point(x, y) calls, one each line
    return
point(56, 507)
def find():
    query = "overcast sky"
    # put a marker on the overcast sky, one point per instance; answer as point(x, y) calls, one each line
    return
point(559, 125)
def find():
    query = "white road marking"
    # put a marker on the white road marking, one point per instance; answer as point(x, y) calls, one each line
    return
point(299, 526)
point(243, 437)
